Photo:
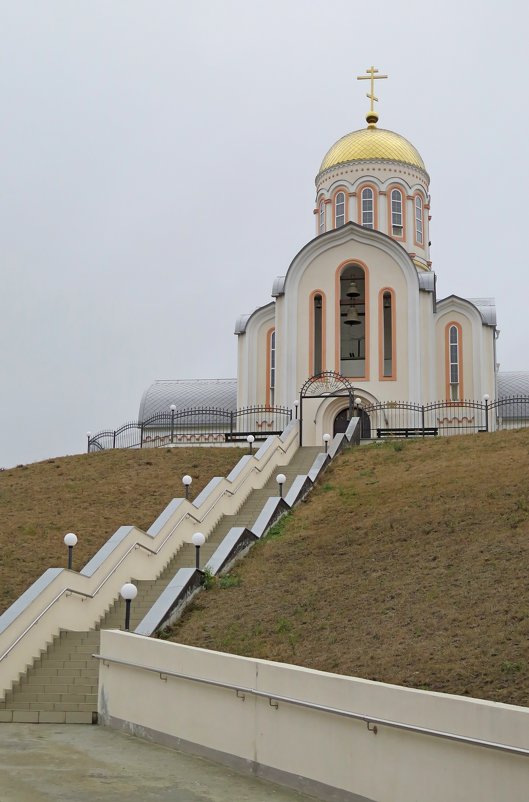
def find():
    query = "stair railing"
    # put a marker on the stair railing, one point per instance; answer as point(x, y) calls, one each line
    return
point(116, 559)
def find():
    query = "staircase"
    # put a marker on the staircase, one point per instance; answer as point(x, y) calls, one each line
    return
point(61, 685)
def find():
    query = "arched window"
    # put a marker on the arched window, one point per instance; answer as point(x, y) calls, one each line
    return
point(454, 362)
point(353, 329)
point(387, 334)
point(271, 368)
point(321, 224)
point(418, 220)
point(368, 208)
point(339, 209)
point(317, 344)
point(397, 214)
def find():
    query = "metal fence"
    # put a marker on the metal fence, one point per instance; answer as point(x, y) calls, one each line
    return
point(408, 419)
point(196, 426)
point(211, 425)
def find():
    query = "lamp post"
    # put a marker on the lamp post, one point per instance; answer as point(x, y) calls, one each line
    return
point(128, 592)
point(281, 479)
point(250, 440)
point(296, 405)
point(88, 436)
point(198, 541)
point(70, 540)
point(173, 410)
point(486, 400)
point(326, 438)
point(186, 481)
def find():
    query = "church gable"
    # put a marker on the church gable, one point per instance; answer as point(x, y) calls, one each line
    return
point(464, 349)
point(350, 301)
point(256, 357)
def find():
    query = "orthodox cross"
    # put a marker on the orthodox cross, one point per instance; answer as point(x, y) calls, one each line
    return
point(371, 76)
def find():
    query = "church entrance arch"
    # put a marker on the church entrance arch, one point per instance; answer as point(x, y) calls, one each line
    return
point(327, 384)
point(342, 419)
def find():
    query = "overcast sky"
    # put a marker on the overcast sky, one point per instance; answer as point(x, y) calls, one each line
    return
point(157, 172)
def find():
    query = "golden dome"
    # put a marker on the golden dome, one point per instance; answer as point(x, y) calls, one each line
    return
point(372, 144)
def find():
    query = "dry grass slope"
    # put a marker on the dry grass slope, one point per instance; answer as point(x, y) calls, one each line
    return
point(408, 564)
point(91, 495)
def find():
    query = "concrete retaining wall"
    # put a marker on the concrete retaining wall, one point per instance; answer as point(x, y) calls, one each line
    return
point(327, 754)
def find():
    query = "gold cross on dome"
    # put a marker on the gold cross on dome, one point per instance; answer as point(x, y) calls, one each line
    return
point(371, 76)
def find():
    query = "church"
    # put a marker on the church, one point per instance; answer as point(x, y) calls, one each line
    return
point(358, 303)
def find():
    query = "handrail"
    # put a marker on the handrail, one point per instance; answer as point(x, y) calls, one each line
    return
point(72, 591)
point(368, 720)
point(231, 491)
point(37, 619)
point(105, 579)
point(257, 468)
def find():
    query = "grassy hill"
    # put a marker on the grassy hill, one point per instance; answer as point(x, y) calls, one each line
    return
point(409, 564)
point(91, 495)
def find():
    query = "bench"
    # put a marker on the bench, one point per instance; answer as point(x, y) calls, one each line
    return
point(428, 431)
point(234, 437)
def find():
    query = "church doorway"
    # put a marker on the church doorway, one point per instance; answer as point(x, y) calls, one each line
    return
point(342, 419)
point(326, 385)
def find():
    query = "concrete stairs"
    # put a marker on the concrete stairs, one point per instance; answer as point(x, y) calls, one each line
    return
point(149, 590)
point(61, 685)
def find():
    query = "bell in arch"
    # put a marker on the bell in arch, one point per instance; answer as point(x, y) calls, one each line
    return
point(352, 290)
point(352, 318)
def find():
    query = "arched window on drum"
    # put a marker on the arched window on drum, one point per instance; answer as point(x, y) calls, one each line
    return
point(339, 209)
point(397, 214)
point(321, 217)
point(419, 220)
point(368, 207)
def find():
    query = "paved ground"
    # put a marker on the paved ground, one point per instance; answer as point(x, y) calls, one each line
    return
point(80, 763)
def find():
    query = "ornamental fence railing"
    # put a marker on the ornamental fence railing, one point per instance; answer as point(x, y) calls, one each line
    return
point(196, 426)
point(214, 426)
point(403, 419)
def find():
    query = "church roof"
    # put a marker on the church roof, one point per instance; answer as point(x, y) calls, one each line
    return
point(427, 281)
point(372, 144)
point(513, 382)
point(487, 309)
point(513, 385)
point(242, 321)
point(485, 306)
point(187, 394)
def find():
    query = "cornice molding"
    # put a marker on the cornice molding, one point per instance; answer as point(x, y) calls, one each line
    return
point(385, 165)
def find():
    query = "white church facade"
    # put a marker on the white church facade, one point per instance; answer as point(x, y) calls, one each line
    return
point(359, 302)
point(360, 298)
